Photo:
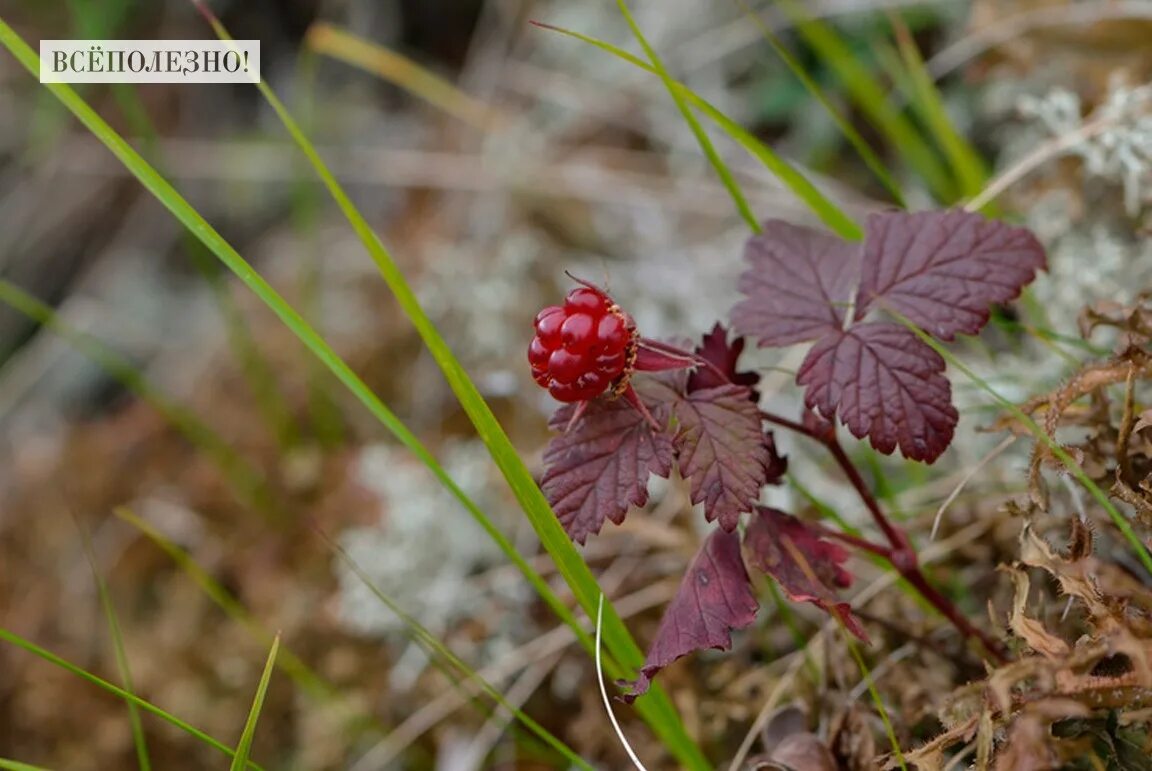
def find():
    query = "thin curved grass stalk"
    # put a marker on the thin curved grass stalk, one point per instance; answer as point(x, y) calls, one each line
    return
point(853, 137)
point(244, 746)
point(190, 218)
point(114, 630)
point(822, 206)
point(702, 139)
point(658, 711)
point(14, 639)
point(604, 692)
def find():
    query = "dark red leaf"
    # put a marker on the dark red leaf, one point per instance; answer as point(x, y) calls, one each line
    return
point(599, 467)
point(885, 384)
point(722, 355)
point(943, 269)
point(722, 451)
point(798, 286)
point(714, 598)
point(806, 566)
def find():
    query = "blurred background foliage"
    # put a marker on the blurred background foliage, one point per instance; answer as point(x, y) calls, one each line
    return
point(137, 376)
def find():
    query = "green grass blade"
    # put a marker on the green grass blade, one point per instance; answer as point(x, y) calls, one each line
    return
point(113, 621)
point(245, 479)
point(968, 167)
point(97, 21)
point(14, 639)
point(702, 139)
point(244, 746)
point(657, 710)
point(870, 97)
point(304, 677)
point(1053, 446)
point(190, 218)
point(15, 765)
point(875, 694)
point(858, 143)
point(438, 650)
point(309, 681)
point(400, 71)
point(800, 186)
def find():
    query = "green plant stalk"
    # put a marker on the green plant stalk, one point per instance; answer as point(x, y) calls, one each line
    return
point(245, 479)
point(244, 746)
point(325, 419)
point(872, 100)
point(626, 656)
point(875, 694)
point(823, 207)
point(656, 708)
point(97, 20)
point(15, 765)
point(439, 651)
point(702, 139)
point(968, 167)
point(858, 143)
point(31, 647)
point(110, 616)
point(304, 677)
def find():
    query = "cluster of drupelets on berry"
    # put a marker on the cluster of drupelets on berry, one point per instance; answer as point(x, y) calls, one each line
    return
point(583, 347)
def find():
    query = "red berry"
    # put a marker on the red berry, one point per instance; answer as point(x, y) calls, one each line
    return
point(582, 348)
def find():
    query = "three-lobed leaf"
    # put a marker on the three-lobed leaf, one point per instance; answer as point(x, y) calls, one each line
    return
point(598, 467)
point(939, 270)
point(715, 597)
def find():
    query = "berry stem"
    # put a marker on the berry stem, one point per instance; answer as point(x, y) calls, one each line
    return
point(900, 554)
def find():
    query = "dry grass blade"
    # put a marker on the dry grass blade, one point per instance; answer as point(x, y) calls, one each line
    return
point(324, 38)
point(1011, 27)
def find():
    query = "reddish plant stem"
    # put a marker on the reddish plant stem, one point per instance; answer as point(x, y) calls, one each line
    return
point(855, 541)
point(901, 555)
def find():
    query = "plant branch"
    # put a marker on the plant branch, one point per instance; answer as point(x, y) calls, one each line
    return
point(900, 554)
